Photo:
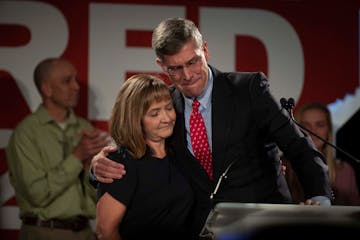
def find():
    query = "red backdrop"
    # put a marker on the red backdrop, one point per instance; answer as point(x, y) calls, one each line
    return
point(327, 30)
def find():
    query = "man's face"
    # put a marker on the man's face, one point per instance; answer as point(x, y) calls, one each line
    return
point(188, 69)
point(62, 87)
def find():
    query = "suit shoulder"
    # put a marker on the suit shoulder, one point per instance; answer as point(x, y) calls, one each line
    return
point(172, 88)
point(246, 79)
point(243, 77)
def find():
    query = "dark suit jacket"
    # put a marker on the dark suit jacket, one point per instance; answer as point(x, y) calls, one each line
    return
point(247, 126)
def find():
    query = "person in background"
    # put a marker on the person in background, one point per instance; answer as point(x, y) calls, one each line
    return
point(153, 200)
point(226, 121)
point(49, 155)
point(316, 117)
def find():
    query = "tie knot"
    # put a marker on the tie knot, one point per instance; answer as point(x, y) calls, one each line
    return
point(195, 104)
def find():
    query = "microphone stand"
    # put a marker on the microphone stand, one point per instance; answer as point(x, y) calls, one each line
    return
point(223, 176)
point(288, 105)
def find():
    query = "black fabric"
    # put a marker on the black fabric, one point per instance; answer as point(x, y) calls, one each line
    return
point(247, 126)
point(157, 196)
point(346, 139)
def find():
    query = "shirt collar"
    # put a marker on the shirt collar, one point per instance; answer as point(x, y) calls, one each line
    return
point(205, 97)
point(45, 118)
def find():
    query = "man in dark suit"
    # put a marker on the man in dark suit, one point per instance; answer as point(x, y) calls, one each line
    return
point(244, 125)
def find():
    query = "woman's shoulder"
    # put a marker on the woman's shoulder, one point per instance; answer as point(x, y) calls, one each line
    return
point(343, 166)
point(120, 155)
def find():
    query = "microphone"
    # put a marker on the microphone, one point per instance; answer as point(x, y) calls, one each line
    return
point(288, 105)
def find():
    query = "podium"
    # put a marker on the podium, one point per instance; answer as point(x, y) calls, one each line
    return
point(251, 221)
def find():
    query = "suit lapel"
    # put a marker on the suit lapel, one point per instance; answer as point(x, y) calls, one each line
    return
point(222, 115)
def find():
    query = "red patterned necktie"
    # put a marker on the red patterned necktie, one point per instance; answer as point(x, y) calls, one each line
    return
point(199, 140)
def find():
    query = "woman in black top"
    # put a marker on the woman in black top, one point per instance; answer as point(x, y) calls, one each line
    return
point(153, 200)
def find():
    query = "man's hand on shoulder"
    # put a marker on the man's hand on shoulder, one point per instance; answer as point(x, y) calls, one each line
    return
point(104, 169)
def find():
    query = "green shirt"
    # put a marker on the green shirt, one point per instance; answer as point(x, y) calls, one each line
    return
point(49, 181)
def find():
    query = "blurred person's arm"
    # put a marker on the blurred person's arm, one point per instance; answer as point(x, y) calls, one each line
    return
point(36, 169)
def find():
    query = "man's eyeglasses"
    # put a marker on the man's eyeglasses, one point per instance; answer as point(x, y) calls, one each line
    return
point(191, 65)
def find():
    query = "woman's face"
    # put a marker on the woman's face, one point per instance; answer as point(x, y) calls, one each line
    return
point(158, 122)
point(315, 120)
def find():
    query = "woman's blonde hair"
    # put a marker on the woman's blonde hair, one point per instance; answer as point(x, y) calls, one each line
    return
point(131, 104)
point(326, 150)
